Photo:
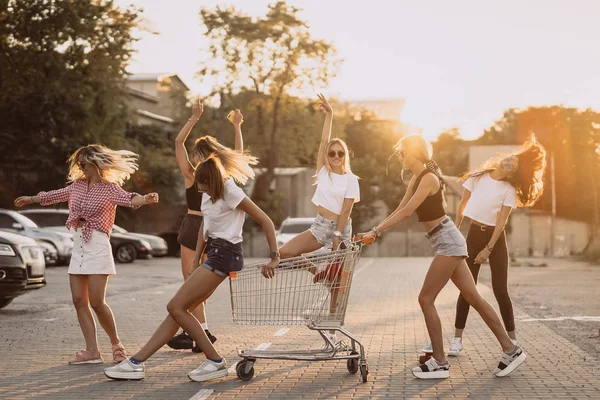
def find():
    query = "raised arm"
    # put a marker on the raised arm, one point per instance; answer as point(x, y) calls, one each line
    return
point(466, 195)
point(183, 161)
point(326, 134)
point(237, 121)
point(45, 198)
point(250, 208)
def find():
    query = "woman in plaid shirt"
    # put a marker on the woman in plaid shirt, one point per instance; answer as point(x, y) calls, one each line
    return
point(96, 174)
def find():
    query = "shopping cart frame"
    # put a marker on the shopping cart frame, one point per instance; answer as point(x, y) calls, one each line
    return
point(354, 353)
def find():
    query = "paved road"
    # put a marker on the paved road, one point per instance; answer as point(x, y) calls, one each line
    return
point(39, 333)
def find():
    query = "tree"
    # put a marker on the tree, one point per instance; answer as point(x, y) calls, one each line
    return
point(62, 68)
point(271, 56)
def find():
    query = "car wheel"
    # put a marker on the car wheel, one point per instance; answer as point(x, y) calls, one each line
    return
point(126, 253)
point(4, 301)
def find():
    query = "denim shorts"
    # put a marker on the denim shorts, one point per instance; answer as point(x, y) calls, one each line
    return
point(188, 232)
point(446, 240)
point(223, 257)
point(322, 229)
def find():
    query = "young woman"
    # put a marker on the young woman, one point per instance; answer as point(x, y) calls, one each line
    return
point(337, 191)
point(425, 197)
point(190, 226)
point(96, 174)
point(224, 206)
point(490, 195)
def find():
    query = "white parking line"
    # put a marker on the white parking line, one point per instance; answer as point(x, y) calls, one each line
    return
point(575, 318)
point(282, 332)
point(263, 346)
point(202, 394)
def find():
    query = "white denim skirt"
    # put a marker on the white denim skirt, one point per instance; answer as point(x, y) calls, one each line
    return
point(93, 257)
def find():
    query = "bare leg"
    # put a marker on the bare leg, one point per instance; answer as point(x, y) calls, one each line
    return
point(437, 277)
point(463, 280)
point(198, 287)
point(97, 289)
point(79, 293)
point(187, 257)
point(300, 244)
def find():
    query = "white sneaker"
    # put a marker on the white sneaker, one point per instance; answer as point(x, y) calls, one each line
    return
point(455, 347)
point(126, 370)
point(430, 369)
point(209, 370)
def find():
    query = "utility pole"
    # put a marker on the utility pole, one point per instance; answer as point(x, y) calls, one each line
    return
point(553, 219)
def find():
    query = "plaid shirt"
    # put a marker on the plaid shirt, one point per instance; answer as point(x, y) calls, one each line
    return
point(97, 206)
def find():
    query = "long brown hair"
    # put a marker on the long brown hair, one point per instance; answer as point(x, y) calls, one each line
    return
point(528, 180)
point(210, 172)
point(235, 164)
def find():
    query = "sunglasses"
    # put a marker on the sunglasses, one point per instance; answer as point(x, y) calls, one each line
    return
point(340, 154)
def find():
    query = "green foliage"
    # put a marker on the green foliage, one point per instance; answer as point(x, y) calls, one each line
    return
point(62, 67)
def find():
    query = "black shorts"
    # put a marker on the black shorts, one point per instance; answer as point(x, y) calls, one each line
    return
point(223, 257)
point(189, 230)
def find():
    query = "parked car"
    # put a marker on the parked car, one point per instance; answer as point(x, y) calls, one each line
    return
point(158, 244)
point(291, 227)
point(18, 223)
point(50, 253)
point(22, 266)
point(126, 247)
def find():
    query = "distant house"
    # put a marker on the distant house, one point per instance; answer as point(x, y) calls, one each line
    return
point(157, 99)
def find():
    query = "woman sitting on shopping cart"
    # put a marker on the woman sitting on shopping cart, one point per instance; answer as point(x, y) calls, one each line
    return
point(425, 196)
point(224, 206)
point(337, 191)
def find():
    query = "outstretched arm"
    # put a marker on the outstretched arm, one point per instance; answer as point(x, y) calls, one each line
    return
point(237, 121)
point(326, 134)
point(45, 198)
point(250, 208)
point(181, 154)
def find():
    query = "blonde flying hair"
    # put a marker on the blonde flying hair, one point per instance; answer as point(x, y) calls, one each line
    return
point(233, 163)
point(422, 150)
point(528, 180)
point(114, 166)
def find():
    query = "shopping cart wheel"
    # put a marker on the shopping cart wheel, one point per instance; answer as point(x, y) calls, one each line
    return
point(241, 371)
point(352, 364)
point(364, 372)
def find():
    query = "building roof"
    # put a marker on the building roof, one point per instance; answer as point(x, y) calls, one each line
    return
point(156, 117)
point(156, 77)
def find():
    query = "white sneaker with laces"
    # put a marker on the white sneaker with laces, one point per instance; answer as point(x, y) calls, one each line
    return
point(455, 347)
point(509, 362)
point(209, 370)
point(126, 370)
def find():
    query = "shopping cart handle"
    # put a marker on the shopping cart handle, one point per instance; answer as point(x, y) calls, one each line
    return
point(364, 240)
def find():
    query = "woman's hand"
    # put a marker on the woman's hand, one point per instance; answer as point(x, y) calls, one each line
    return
point(23, 201)
point(238, 118)
point(335, 240)
point(268, 270)
point(151, 198)
point(367, 235)
point(324, 104)
point(197, 110)
point(482, 256)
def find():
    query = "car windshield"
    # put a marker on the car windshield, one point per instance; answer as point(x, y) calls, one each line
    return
point(295, 227)
point(23, 220)
point(45, 219)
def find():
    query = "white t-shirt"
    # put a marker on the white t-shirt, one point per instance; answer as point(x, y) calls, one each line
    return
point(333, 188)
point(487, 198)
point(222, 219)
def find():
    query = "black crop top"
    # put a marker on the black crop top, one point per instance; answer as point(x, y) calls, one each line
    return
point(193, 198)
point(432, 207)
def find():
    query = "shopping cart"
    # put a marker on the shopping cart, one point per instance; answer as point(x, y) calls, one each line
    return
point(309, 290)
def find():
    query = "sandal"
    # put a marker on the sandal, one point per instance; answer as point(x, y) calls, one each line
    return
point(86, 357)
point(119, 353)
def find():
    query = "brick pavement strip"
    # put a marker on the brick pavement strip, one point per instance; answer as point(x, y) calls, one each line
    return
point(39, 333)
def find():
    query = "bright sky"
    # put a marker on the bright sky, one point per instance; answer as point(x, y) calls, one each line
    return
point(459, 63)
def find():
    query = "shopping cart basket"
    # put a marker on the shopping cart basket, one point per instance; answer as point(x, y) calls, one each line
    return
point(309, 290)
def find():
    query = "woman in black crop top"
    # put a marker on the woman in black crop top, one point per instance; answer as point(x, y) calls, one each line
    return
point(425, 197)
point(190, 226)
